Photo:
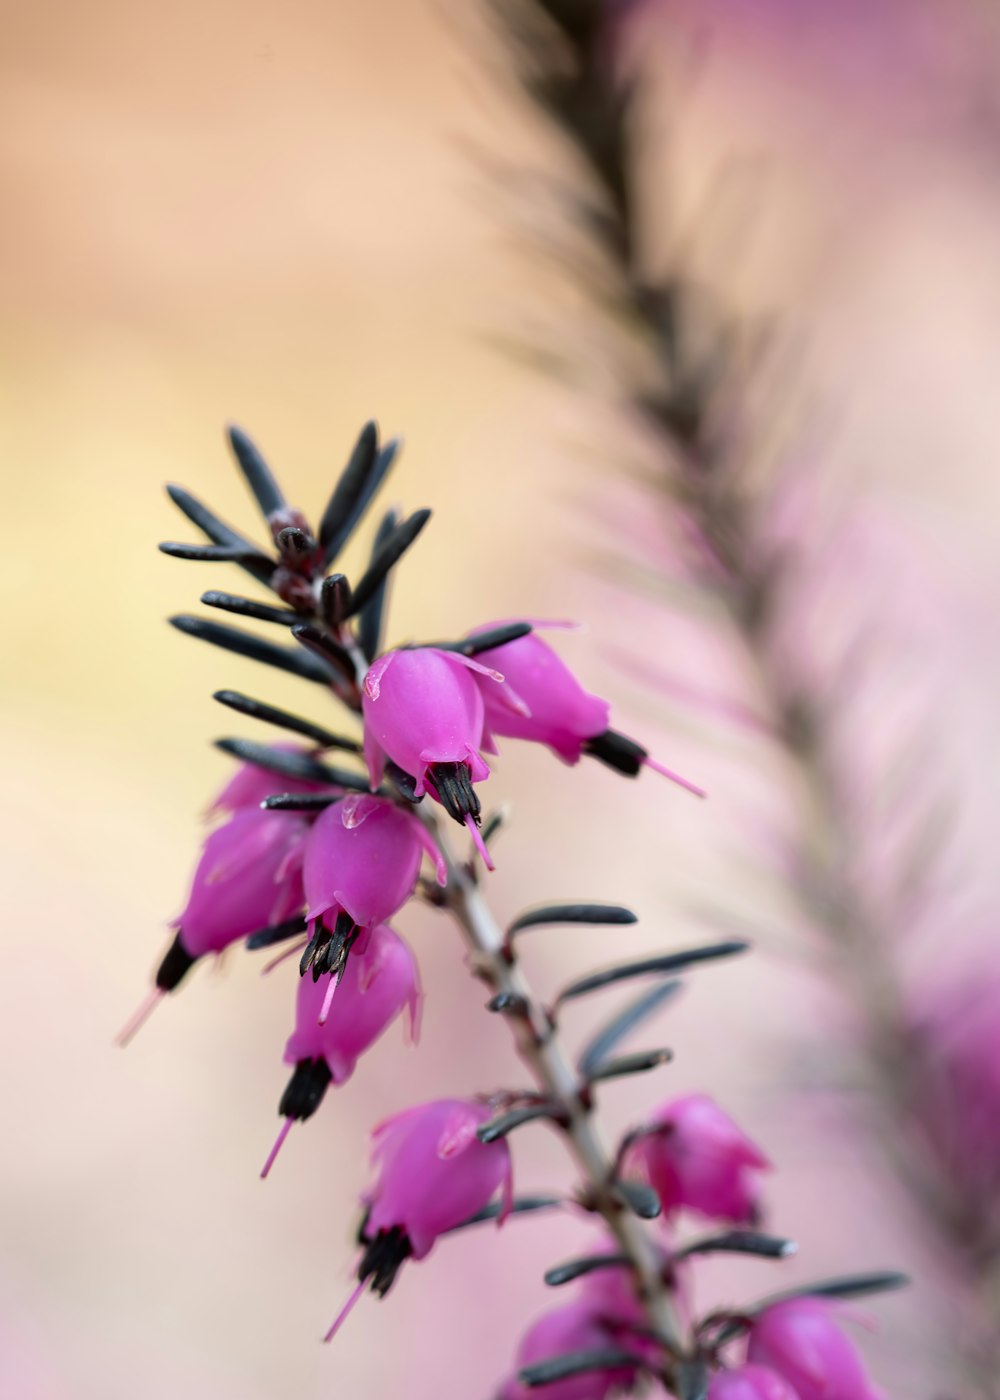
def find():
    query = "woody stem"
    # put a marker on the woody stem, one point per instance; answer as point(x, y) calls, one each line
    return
point(541, 1048)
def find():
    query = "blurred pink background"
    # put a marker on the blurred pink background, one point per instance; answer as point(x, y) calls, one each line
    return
point(277, 215)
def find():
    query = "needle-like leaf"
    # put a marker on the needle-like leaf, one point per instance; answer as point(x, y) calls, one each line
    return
point(255, 561)
point(249, 607)
point(597, 1050)
point(259, 478)
point(270, 714)
point(299, 663)
point(386, 557)
point(667, 962)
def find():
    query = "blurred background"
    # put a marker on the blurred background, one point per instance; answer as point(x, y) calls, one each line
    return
point(296, 217)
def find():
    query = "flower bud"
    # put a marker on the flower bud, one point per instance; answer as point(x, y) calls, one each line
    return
point(800, 1341)
point(695, 1157)
point(750, 1383)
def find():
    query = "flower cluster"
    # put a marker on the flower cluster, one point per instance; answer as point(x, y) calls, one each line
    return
point(320, 857)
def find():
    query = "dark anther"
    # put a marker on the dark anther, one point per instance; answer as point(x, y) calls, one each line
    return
point(618, 752)
point(453, 784)
point(383, 1257)
point(304, 1091)
point(176, 964)
point(327, 950)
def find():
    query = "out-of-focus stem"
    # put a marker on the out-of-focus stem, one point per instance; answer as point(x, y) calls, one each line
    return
point(540, 1047)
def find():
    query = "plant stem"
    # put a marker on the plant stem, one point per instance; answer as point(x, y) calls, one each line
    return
point(541, 1048)
point(564, 52)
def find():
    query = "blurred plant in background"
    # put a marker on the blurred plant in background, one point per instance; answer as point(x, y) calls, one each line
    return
point(750, 523)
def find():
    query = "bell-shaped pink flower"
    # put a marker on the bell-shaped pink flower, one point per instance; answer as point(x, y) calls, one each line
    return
point(575, 1327)
point(362, 859)
point(800, 1340)
point(424, 711)
point(750, 1382)
point(376, 986)
point(249, 877)
point(695, 1157)
point(558, 711)
point(433, 1174)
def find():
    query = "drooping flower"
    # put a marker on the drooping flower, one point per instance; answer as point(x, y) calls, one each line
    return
point(695, 1157)
point(576, 1327)
point(249, 877)
point(362, 859)
point(423, 710)
point(559, 713)
point(799, 1339)
point(750, 1382)
point(376, 986)
point(433, 1174)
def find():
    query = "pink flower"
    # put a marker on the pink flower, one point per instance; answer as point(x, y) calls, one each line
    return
point(575, 1327)
point(559, 712)
point(433, 1174)
point(362, 859)
point(249, 877)
point(424, 711)
point(750, 1383)
point(376, 986)
point(695, 1157)
point(800, 1341)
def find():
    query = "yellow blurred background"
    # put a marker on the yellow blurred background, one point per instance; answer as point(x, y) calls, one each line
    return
point(284, 216)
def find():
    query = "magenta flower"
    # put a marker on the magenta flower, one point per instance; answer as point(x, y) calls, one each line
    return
point(249, 877)
point(750, 1383)
point(424, 711)
point(576, 1327)
point(695, 1157)
point(559, 713)
point(433, 1174)
point(376, 986)
point(800, 1341)
point(362, 860)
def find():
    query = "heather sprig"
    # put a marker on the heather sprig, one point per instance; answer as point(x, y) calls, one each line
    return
point(318, 857)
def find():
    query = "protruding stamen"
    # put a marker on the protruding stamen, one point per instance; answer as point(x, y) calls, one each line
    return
point(332, 984)
point(341, 1317)
point(648, 762)
point(286, 1128)
point(478, 842)
point(140, 1016)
